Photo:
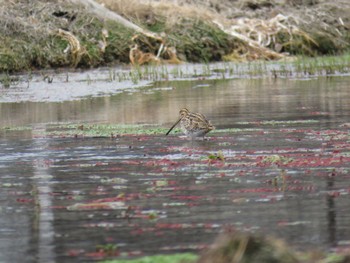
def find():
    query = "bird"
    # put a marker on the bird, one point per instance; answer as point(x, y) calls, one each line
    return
point(193, 124)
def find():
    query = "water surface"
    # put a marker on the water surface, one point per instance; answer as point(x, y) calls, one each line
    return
point(285, 145)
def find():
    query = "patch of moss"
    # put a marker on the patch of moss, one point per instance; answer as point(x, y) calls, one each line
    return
point(119, 42)
point(199, 41)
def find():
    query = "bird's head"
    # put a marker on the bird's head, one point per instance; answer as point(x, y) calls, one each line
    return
point(184, 112)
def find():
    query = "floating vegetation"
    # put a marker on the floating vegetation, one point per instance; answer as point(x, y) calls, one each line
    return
point(108, 249)
point(174, 258)
point(16, 128)
point(101, 130)
point(276, 160)
point(217, 156)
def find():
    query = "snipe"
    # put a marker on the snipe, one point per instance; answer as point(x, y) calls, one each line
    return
point(193, 124)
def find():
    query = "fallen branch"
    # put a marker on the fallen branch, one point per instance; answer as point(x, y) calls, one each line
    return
point(102, 11)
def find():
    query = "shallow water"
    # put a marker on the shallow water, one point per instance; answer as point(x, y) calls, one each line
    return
point(285, 170)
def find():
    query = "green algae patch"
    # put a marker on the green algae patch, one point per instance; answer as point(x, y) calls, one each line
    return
point(176, 258)
point(91, 130)
point(102, 130)
point(16, 128)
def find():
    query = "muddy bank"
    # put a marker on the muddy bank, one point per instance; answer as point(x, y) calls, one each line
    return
point(49, 34)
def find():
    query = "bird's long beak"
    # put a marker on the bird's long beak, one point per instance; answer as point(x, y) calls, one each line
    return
point(172, 127)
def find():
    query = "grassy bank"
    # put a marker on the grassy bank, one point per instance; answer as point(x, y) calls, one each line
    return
point(34, 40)
point(42, 35)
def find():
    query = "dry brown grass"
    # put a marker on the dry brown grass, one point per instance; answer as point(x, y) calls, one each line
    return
point(74, 48)
point(276, 28)
point(237, 247)
point(137, 10)
point(241, 247)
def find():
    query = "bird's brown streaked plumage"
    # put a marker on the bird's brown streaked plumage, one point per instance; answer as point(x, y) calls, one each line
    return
point(193, 124)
